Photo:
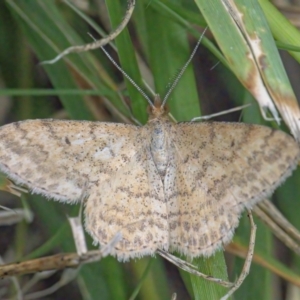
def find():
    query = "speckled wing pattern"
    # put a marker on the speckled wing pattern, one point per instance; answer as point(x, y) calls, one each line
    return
point(63, 159)
point(218, 170)
point(108, 163)
point(131, 203)
point(213, 171)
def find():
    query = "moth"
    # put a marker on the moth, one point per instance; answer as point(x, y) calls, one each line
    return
point(165, 185)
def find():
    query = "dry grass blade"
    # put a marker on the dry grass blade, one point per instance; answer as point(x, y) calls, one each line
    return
point(279, 225)
point(269, 208)
point(14, 216)
point(8, 186)
point(265, 261)
point(78, 234)
point(248, 259)
point(96, 44)
point(278, 232)
point(57, 262)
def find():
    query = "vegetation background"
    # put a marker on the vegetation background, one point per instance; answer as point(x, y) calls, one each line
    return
point(155, 45)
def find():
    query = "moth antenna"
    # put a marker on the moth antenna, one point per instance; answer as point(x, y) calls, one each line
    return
point(128, 77)
point(171, 79)
point(176, 80)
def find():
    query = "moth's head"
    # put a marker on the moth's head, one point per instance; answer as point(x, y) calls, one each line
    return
point(157, 109)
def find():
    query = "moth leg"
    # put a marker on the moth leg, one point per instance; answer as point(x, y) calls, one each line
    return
point(182, 264)
point(234, 286)
point(248, 261)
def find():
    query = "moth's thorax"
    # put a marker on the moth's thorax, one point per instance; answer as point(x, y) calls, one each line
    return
point(159, 142)
point(157, 110)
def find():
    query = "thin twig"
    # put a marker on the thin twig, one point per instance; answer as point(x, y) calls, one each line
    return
point(98, 43)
